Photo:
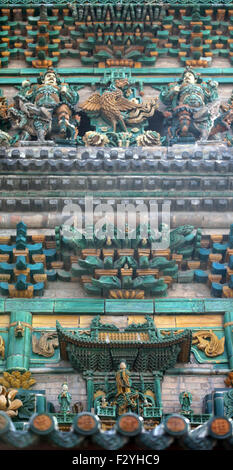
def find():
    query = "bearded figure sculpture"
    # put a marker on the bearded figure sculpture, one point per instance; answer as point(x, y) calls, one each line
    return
point(189, 107)
point(47, 108)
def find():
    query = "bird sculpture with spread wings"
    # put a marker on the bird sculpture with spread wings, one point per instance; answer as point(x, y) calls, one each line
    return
point(112, 104)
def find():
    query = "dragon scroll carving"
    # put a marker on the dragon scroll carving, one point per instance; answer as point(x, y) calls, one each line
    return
point(209, 343)
point(46, 344)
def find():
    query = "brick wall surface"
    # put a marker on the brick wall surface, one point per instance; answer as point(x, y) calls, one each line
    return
point(198, 386)
point(52, 383)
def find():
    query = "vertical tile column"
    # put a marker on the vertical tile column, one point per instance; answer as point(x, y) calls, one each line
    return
point(228, 327)
point(19, 341)
point(158, 376)
point(88, 376)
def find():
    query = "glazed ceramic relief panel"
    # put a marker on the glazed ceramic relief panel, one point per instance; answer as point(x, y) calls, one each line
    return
point(115, 266)
point(123, 43)
point(116, 115)
point(129, 102)
point(208, 345)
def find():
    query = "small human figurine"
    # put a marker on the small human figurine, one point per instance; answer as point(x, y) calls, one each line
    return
point(78, 407)
point(64, 398)
point(123, 379)
point(185, 401)
point(104, 402)
point(146, 402)
point(125, 399)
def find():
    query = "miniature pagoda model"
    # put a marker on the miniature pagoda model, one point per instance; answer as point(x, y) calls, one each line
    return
point(116, 228)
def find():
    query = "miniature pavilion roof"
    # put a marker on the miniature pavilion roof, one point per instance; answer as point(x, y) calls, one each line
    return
point(103, 346)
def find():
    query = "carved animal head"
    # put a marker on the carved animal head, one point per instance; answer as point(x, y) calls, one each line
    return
point(121, 83)
point(19, 330)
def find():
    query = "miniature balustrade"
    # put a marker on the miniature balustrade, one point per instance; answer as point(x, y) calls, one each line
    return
point(64, 417)
point(106, 412)
point(152, 412)
point(198, 419)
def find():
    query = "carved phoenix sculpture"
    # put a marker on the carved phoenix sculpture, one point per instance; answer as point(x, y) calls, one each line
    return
point(112, 103)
